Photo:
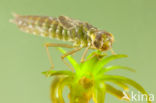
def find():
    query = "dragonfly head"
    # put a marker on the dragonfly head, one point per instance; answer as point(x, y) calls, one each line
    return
point(103, 40)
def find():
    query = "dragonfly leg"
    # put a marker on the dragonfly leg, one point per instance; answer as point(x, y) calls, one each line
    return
point(95, 54)
point(50, 58)
point(84, 55)
point(47, 45)
point(69, 53)
point(91, 57)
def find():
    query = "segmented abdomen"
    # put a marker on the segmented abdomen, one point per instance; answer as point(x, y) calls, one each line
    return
point(50, 27)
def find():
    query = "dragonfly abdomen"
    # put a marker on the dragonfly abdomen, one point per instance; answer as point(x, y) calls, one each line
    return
point(36, 25)
point(50, 27)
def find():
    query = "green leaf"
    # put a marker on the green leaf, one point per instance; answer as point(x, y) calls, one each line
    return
point(99, 92)
point(109, 68)
point(56, 91)
point(53, 73)
point(104, 61)
point(89, 65)
point(121, 84)
point(71, 60)
point(57, 87)
point(126, 80)
point(118, 93)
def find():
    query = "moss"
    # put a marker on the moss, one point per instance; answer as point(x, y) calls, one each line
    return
point(90, 80)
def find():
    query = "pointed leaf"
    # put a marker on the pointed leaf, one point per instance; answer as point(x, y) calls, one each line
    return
point(89, 65)
point(53, 73)
point(109, 68)
point(57, 88)
point(104, 61)
point(99, 92)
point(118, 93)
point(126, 80)
point(121, 84)
point(56, 92)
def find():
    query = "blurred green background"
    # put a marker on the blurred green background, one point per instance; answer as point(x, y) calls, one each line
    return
point(23, 56)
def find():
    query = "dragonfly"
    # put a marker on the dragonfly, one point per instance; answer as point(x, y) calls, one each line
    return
point(81, 34)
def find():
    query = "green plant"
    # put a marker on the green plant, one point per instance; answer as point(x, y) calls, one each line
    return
point(90, 80)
